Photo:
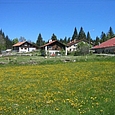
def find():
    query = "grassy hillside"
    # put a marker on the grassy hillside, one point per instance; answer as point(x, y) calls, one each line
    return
point(78, 88)
point(35, 59)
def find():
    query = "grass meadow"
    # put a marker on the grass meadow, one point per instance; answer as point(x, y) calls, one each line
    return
point(79, 88)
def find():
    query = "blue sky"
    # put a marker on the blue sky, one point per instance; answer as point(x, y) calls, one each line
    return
point(28, 18)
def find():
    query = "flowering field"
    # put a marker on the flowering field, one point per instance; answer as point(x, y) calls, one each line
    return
point(63, 89)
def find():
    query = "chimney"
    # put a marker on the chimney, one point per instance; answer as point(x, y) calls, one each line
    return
point(50, 40)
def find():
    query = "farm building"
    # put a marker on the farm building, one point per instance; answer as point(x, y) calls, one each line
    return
point(53, 47)
point(105, 47)
point(24, 47)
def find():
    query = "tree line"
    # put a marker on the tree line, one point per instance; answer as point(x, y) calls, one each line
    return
point(78, 36)
point(6, 42)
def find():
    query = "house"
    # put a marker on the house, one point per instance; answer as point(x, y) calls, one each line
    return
point(105, 47)
point(53, 47)
point(73, 45)
point(24, 47)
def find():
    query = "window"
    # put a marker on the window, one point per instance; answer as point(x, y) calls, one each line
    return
point(49, 47)
point(25, 44)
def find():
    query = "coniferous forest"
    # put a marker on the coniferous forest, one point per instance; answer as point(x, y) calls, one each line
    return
point(78, 36)
point(6, 42)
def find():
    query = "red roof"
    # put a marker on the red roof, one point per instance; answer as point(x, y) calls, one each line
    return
point(76, 41)
point(19, 43)
point(51, 42)
point(106, 44)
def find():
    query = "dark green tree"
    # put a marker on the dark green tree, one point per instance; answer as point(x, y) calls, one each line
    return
point(81, 34)
point(68, 40)
point(8, 42)
point(54, 37)
point(65, 40)
point(97, 41)
point(88, 37)
point(2, 41)
point(103, 37)
point(110, 34)
point(1, 32)
point(40, 40)
point(14, 41)
point(5, 42)
point(83, 48)
point(61, 40)
point(75, 34)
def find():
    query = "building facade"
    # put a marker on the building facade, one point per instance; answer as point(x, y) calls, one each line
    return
point(53, 47)
point(105, 47)
point(24, 47)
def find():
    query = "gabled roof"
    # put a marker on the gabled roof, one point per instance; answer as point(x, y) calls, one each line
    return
point(51, 42)
point(76, 41)
point(106, 44)
point(19, 43)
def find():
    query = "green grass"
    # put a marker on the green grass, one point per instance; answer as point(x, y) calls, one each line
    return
point(39, 60)
point(83, 87)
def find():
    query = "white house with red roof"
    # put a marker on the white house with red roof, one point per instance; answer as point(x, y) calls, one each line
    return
point(53, 47)
point(73, 45)
point(105, 47)
point(24, 47)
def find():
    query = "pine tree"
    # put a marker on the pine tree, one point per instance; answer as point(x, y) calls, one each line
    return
point(88, 37)
point(103, 37)
point(110, 34)
point(97, 41)
point(75, 34)
point(1, 32)
point(8, 42)
point(61, 40)
point(81, 34)
point(53, 37)
point(2, 41)
point(68, 40)
point(5, 42)
point(39, 41)
point(65, 40)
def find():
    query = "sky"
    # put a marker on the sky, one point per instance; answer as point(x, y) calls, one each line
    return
point(28, 18)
